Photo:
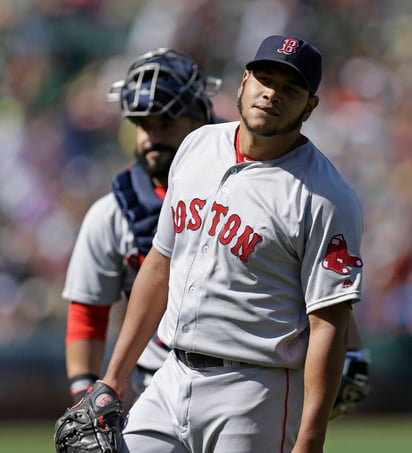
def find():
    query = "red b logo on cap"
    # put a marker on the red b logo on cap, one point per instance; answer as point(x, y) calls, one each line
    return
point(290, 46)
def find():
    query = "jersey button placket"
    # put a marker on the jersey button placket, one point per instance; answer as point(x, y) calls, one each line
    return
point(225, 189)
point(186, 327)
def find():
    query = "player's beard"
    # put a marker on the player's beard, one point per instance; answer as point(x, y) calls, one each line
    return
point(159, 169)
point(289, 127)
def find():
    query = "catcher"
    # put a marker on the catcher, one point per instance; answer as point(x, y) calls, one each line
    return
point(165, 96)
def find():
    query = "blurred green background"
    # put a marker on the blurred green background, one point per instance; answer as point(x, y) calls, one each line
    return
point(61, 144)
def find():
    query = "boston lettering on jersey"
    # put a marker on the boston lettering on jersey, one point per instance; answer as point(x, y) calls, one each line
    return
point(227, 227)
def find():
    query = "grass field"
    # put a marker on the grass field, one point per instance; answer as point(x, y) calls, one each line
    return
point(353, 434)
point(370, 435)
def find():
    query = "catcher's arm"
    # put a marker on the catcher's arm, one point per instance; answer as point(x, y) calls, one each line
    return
point(85, 345)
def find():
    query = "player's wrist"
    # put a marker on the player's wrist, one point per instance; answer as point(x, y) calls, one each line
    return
point(79, 384)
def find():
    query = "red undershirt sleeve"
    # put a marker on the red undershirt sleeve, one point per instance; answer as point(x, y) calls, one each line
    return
point(86, 321)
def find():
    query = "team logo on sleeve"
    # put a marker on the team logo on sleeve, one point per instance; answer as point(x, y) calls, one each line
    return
point(337, 258)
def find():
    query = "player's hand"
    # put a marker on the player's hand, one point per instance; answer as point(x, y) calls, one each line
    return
point(119, 386)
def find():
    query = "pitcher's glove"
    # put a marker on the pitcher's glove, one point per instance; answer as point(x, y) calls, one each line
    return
point(93, 425)
point(354, 387)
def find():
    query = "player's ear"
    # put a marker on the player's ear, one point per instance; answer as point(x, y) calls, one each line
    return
point(246, 75)
point(312, 103)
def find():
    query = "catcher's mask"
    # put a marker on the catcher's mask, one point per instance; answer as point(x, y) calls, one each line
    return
point(165, 81)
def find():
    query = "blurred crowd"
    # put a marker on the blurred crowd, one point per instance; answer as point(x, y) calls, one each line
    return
point(61, 142)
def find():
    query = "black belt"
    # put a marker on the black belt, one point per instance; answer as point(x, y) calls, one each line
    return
point(201, 361)
point(143, 369)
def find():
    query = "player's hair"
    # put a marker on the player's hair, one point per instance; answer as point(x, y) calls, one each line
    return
point(165, 81)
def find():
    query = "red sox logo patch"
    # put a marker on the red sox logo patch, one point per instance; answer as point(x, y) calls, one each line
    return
point(337, 257)
point(290, 46)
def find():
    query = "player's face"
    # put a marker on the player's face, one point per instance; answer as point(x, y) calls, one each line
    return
point(272, 100)
point(157, 140)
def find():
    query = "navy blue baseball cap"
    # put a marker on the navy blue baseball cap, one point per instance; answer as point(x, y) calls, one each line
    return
point(294, 52)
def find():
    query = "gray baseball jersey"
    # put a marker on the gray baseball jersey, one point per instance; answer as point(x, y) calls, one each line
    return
point(254, 247)
point(102, 268)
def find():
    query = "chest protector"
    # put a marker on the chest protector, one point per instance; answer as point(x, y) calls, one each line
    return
point(139, 204)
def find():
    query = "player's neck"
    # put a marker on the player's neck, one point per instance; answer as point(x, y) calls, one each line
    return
point(257, 147)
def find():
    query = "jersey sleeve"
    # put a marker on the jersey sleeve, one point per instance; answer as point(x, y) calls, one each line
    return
point(94, 274)
point(163, 240)
point(332, 265)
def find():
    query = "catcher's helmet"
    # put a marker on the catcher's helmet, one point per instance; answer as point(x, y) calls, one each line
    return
point(165, 81)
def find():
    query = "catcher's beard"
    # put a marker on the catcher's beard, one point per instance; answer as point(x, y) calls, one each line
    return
point(159, 169)
point(289, 127)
